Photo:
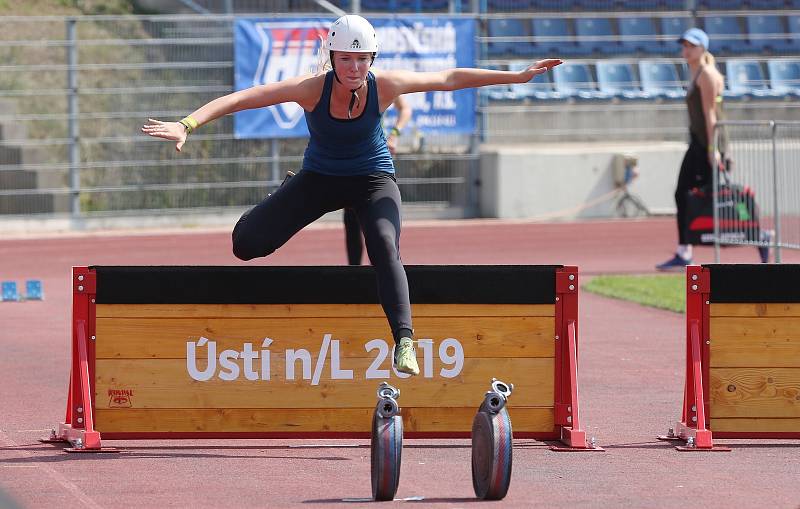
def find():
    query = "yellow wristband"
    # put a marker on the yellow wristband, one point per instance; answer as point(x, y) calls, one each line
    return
point(394, 131)
point(190, 123)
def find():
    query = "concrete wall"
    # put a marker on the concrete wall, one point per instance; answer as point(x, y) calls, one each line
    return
point(573, 180)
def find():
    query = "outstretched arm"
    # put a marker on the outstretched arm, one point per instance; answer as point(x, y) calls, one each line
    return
point(299, 89)
point(404, 82)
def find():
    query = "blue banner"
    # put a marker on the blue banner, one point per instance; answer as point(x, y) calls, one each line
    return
point(268, 50)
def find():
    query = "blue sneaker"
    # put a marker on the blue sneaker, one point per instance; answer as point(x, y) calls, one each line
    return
point(674, 264)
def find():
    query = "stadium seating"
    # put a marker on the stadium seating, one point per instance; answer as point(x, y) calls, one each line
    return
point(672, 29)
point(574, 80)
point(746, 79)
point(793, 23)
point(784, 76)
point(596, 35)
point(720, 4)
point(507, 28)
point(660, 79)
point(637, 35)
point(767, 33)
point(766, 4)
point(616, 79)
point(558, 37)
point(725, 34)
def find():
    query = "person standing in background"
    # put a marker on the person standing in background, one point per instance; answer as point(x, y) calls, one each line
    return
point(704, 103)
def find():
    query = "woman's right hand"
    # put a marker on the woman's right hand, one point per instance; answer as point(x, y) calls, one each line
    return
point(174, 131)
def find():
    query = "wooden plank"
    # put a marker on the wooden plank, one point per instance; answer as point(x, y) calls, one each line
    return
point(755, 342)
point(755, 425)
point(257, 420)
point(132, 338)
point(313, 310)
point(755, 392)
point(165, 383)
point(755, 309)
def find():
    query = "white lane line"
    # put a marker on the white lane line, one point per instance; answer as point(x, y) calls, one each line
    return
point(57, 477)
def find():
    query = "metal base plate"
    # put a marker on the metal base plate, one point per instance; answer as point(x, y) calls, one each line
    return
point(716, 448)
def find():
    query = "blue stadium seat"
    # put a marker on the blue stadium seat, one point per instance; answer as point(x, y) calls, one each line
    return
point(746, 78)
point(767, 4)
point(559, 37)
point(649, 5)
point(784, 76)
point(660, 79)
point(794, 31)
point(595, 5)
point(598, 36)
point(672, 29)
point(510, 5)
point(767, 33)
point(723, 5)
point(575, 80)
point(377, 5)
point(725, 34)
point(507, 28)
point(638, 34)
point(617, 79)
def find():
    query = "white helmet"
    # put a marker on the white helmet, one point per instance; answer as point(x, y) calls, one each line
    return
point(352, 33)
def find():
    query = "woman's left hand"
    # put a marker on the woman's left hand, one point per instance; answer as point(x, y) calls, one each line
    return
point(540, 67)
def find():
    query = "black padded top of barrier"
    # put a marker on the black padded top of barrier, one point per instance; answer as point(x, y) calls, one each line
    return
point(429, 284)
point(754, 283)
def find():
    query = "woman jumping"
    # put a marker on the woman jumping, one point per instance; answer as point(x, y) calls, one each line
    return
point(347, 162)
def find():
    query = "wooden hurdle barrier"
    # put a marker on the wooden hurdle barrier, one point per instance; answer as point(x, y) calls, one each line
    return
point(742, 354)
point(297, 352)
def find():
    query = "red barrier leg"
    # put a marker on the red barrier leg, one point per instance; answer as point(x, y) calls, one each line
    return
point(78, 426)
point(692, 427)
point(567, 407)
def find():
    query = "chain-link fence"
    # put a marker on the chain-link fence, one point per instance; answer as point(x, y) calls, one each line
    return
point(757, 201)
point(74, 93)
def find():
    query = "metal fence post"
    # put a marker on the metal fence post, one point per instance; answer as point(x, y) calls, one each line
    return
point(72, 122)
point(775, 186)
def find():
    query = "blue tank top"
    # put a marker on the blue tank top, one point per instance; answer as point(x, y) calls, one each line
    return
point(347, 147)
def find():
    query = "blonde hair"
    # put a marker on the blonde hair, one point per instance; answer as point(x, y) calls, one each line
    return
point(708, 61)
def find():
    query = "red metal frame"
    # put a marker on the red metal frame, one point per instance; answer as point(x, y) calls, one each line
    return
point(78, 426)
point(567, 408)
point(694, 422)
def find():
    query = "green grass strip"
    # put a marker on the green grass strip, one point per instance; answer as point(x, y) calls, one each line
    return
point(658, 291)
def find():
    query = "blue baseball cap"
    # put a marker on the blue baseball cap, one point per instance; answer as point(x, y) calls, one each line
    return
point(695, 36)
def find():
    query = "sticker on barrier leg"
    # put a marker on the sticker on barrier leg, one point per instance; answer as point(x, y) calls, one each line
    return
point(9, 291)
point(386, 446)
point(492, 445)
point(33, 290)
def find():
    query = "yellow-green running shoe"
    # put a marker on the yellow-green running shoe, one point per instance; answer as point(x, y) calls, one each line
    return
point(405, 357)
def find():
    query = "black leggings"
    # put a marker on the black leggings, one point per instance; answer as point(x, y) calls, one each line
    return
point(695, 172)
point(352, 237)
point(308, 196)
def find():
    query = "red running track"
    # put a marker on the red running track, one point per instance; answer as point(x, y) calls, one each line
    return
point(631, 374)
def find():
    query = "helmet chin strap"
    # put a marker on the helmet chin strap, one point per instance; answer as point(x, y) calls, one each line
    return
point(354, 99)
